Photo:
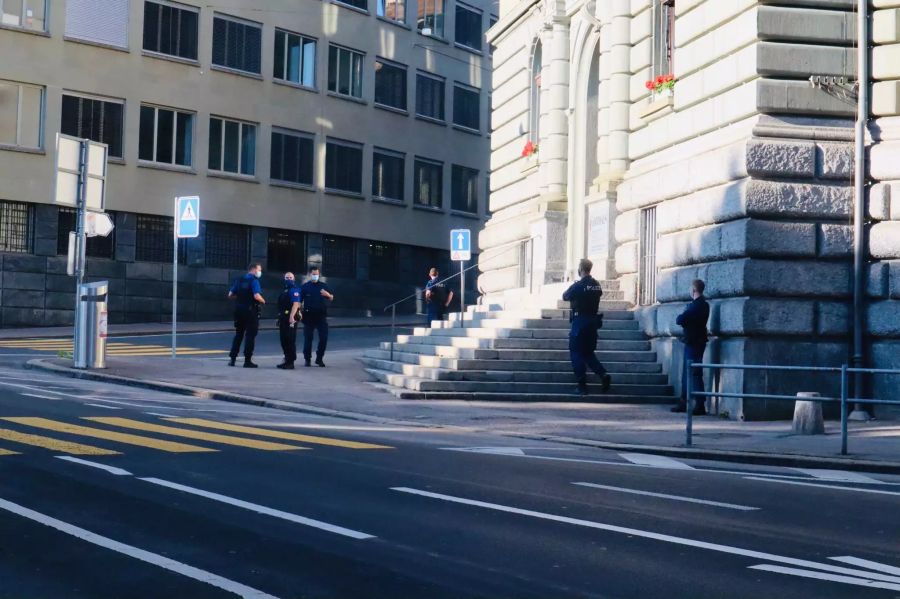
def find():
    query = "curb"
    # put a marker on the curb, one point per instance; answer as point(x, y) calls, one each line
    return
point(724, 455)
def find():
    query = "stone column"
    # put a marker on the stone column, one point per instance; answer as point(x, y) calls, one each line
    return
point(555, 126)
point(619, 33)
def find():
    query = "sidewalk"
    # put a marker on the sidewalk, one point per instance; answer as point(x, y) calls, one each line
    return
point(164, 328)
point(343, 389)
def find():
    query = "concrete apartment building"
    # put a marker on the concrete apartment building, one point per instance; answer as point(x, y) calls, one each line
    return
point(351, 134)
point(740, 174)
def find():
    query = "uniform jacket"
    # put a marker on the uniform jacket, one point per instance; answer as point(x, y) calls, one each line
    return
point(289, 295)
point(311, 298)
point(694, 320)
point(584, 298)
point(244, 288)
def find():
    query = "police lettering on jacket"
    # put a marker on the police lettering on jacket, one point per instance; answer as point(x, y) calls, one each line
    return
point(584, 297)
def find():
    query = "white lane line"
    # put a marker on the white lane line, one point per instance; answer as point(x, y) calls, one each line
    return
point(261, 509)
point(40, 396)
point(861, 582)
point(97, 405)
point(110, 469)
point(160, 414)
point(655, 461)
point(634, 532)
point(821, 486)
point(140, 554)
point(864, 563)
point(838, 475)
point(731, 506)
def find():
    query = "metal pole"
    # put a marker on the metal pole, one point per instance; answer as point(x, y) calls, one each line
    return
point(80, 243)
point(843, 409)
point(393, 318)
point(462, 294)
point(859, 208)
point(689, 391)
point(175, 284)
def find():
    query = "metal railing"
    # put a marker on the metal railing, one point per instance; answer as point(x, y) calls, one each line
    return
point(844, 400)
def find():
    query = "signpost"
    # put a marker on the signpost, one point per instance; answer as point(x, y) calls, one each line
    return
point(461, 250)
point(187, 225)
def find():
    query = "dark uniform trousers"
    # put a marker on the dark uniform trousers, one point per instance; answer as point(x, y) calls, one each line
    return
point(694, 353)
point(287, 334)
point(314, 321)
point(246, 326)
point(582, 344)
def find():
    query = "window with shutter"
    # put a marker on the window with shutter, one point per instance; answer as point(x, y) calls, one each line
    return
point(98, 21)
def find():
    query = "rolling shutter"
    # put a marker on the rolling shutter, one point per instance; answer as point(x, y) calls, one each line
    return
point(99, 21)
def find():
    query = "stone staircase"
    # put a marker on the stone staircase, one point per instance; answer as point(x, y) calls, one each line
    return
point(519, 355)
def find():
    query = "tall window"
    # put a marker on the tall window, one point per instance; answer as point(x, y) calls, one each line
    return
point(393, 10)
point(232, 146)
point(468, 27)
point(360, 4)
point(464, 189)
point(287, 251)
point(390, 84)
point(153, 240)
point(295, 58)
point(429, 97)
point(101, 22)
point(338, 257)
point(96, 247)
point(430, 19)
point(345, 71)
point(663, 37)
point(292, 157)
point(171, 29)
point(237, 44)
point(534, 96)
point(21, 110)
point(429, 183)
point(15, 227)
point(466, 107)
point(27, 14)
point(383, 259)
point(167, 136)
point(98, 120)
point(343, 166)
point(387, 175)
point(647, 274)
point(227, 245)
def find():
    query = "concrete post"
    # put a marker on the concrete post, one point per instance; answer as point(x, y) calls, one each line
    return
point(808, 419)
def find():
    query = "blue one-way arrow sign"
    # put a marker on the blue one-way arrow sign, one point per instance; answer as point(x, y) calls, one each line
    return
point(187, 217)
point(460, 245)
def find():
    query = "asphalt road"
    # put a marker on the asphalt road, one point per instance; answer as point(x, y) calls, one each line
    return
point(306, 506)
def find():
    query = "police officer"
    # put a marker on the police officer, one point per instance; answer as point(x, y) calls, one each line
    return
point(693, 320)
point(584, 298)
point(437, 297)
point(314, 298)
point(248, 298)
point(288, 314)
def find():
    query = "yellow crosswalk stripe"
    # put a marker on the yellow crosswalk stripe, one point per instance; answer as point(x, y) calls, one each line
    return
point(8, 452)
point(113, 348)
point(99, 433)
point(54, 444)
point(192, 434)
point(265, 432)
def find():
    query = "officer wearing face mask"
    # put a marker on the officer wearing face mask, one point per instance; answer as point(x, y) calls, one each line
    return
point(248, 298)
point(584, 297)
point(437, 297)
point(288, 315)
point(314, 298)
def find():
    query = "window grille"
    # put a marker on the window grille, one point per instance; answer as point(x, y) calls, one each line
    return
point(292, 157)
point(387, 175)
point(383, 261)
point(429, 97)
point(227, 245)
point(343, 166)
point(647, 275)
point(390, 84)
point(97, 247)
point(338, 257)
point(429, 184)
point(153, 240)
point(287, 251)
point(466, 107)
point(464, 189)
point(15, 227)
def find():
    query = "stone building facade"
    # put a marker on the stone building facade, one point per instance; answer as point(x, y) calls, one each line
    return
point(741, 175)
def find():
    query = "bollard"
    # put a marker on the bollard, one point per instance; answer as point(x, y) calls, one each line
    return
point(808, 418)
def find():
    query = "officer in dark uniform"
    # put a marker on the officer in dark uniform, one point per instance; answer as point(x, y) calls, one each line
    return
point(694, 320)
point(314, 298)
point(288, 315)
point(584, 298)
point(437, 297)
point(248, 298)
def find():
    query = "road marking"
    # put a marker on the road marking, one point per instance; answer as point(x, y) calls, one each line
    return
point(838, 475)
point(732, 506)
point(8, 452)
point(261, 509)
point(110, 469)
point(40, 396)
point(54, 444)
point(644, 534)
point(157, 414)
point(99, 433)
point(99, 405)
point(861, 582)
point(140, 554)
point(821, 486)
point(655, 461)
point(190, 434)
point(277, 434)
point(856, 561)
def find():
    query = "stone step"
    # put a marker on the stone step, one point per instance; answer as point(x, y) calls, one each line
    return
point(528, 323)
point(474, 313)
point(516, 354)
point(559, 327)
point(446, 374)
point(594, 397)
point(517, 343)
point(448, 334)
point(504, 365)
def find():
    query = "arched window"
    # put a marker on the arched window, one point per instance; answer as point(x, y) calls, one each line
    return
point(534, 119)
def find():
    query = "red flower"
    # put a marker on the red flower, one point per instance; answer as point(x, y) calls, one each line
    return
point(649, 85)
point(660, 80)
point(670, 77)
point(528, 150)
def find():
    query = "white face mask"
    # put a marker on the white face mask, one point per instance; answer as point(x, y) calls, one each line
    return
point(434, 277)
point(258, 274)
point(315, 278)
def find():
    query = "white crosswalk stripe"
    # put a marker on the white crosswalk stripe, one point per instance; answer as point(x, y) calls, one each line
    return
point(838, 475)
point(656, 461)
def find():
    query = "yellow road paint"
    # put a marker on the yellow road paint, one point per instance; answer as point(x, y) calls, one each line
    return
point(54, 444)
point(99, 433)
point(192, 434)
point(265, 432)
point(8, 452)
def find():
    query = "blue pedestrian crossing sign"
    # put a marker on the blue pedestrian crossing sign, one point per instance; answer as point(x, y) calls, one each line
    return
point(460, 245)
point(187, 217)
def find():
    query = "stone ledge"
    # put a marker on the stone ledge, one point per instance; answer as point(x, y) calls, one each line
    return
point(657, 109)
